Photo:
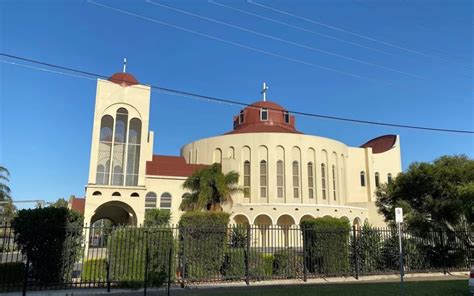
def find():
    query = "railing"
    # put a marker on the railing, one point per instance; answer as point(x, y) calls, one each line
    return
point(134, 257)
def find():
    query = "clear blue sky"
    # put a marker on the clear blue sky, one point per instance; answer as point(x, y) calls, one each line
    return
point(46, 118)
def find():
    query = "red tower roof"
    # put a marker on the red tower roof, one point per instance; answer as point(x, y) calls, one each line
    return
point(264, 117)
point(381, 144)
point(124, 79)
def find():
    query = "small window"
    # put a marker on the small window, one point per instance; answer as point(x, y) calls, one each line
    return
point(241, 117)
point(135, 194)
point(165, 201)
point(323, 180)
point(377, 180)
point(116, 193)
point(280, 179)
point(296, 179)
point(150, 200)
point(97, 193)
point(286, 117)
point(334, 182)
point(389, 178)
point(310, 180)
point(263, 179)
point(264, 114)
point(362, 179)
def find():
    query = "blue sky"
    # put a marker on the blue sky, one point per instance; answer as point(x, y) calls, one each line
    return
point(46, 118)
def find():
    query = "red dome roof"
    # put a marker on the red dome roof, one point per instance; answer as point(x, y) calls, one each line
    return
point(250, 119)
point(124, 79)
point(381, 144)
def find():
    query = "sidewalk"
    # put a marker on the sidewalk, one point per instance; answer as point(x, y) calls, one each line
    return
point(201, 289)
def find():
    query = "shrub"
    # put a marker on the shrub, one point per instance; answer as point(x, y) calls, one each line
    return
point(414, 258)
point(12, 273)
point(44, 237)
point(368, 250)
point(203, 237)
point(287, 263)
point(156, 217)
point(326, 241)
point(128, 259)
point(94, 270)
point(260, 264)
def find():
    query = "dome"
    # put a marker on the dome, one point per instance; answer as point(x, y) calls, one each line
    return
point(264, 117)
point(124, 79)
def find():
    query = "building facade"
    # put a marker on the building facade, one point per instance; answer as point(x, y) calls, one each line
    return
point(286, 176)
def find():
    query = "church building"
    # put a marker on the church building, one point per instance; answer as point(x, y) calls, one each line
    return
point(287, 176)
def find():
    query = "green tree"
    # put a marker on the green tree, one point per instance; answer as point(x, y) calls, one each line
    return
point(210, 188)
point(156, 217)
point(5, 192)
point(60, 203)
point(433, 195)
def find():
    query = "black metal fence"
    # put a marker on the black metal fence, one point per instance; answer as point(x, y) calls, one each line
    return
point(137, 257)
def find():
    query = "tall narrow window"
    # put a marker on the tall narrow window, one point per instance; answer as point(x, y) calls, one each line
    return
point(246, 178)
point(334, 182)
point(389, 178)
point(286, 117)
point(310, 180)
point(264, 114)
point(118, 160)
point(296, 179)
point(377, 180)
point(362, 178)
point(241, 117)
point(263, 179)
point(323, 180)
point(105, 149)
point(165, 201)
point(280, 179)
point(133, 154)
point(150, 201)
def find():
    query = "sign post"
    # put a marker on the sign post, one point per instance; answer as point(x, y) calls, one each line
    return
point(399, 221)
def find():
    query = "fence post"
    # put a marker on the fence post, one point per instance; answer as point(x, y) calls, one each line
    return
point(183, 256)
point(354, 250)
point(170, 257)
point(305, 254)
point(443, 253)
point(25, 278)
point(146, 263)
point(107, 266)
point(247, 256)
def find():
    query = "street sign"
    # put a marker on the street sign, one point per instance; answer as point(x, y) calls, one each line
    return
point(399, 215)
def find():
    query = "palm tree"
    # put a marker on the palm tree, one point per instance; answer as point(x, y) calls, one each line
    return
point(5, 192)
point(210, 188)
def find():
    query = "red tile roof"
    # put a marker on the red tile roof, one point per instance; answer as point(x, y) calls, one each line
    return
point(78, 204)
point(176, 166)
point(381, 144)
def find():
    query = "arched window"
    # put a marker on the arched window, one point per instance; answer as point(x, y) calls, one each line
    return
point(323, 180)
point(280, 179)
point(334, 182)
point(377, 180)
point(165, 201)
point(296, 179)
point(150, 201)
point(246, 178)
point(97, 193)
point(120, 136)
point(241, 117)
point(362, 178)
point(264, 114)
point(134, 194)
point(105, 150)
point(116, 194)
point(263, 179)
point(133, 154)
point(389, 178)
point(310, 180)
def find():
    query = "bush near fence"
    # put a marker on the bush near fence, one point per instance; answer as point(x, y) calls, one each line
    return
point(12, 273)
point(203, 238)
point(326, 243)
point(94, 271)
point(260, 264)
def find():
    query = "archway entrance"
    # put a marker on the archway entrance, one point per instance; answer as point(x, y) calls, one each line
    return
point(285, 222)
point(117, 212)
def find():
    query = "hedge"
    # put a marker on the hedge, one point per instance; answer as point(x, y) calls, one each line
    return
point(94, 270)
point(326, 241)
point(12, 273)
point(287, 263)
point(203, 238)
point(260, 264)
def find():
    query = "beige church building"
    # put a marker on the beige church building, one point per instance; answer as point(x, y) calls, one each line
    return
point(287, 176)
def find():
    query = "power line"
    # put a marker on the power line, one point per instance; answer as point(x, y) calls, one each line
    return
point(228, 101)
point(338, 29)
point(299, 28)
point(284, 40)
point(230, 42)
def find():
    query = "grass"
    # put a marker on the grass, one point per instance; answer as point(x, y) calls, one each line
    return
point(432, 288)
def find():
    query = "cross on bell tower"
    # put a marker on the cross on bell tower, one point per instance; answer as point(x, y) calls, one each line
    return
point(264, 92)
